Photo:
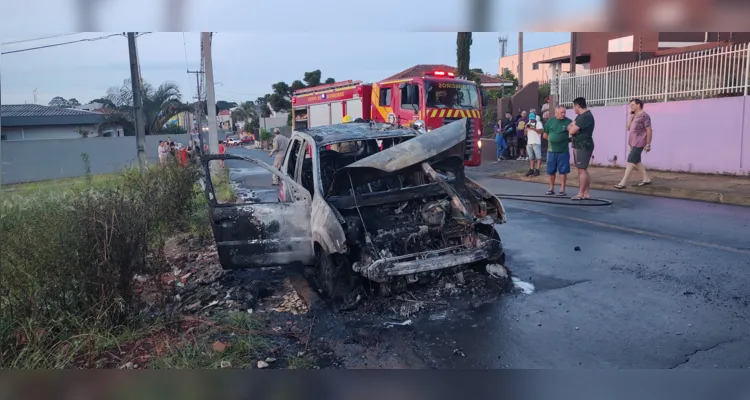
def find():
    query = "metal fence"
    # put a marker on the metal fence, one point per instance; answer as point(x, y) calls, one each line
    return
point(717, 72)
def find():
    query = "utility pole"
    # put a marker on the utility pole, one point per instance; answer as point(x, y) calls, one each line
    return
point(213, 135)
point(135, 78)
point(198, 114)
point(520, 60)
point(573, 52)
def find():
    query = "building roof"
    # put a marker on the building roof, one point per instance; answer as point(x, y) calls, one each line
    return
point(422, 69)
point(38, 115)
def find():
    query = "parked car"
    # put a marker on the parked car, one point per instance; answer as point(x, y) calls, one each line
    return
point(233, 141)
point(247, 139)
point(391, 214)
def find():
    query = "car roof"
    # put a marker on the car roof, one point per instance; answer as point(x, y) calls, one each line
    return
point(329, 134)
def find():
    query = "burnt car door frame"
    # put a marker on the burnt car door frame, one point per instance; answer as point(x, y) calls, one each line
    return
point(256, 235)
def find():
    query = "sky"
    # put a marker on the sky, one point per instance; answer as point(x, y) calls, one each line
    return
point(245, 64)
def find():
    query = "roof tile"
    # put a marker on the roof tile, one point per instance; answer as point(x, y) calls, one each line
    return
point(36, 110)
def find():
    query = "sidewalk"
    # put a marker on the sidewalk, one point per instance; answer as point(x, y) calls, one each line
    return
point(680, 185)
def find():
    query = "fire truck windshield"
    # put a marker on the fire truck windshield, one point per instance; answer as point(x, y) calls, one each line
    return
point(451, 94)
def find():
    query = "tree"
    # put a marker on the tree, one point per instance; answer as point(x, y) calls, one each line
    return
point(107, 102)
point(463, 50)
point(247, 112)
point(73, 102)
point(330, 80)
point(60, 102)
point(312, 78)
point(222, 105)
point(262, 104)
point(159, 106)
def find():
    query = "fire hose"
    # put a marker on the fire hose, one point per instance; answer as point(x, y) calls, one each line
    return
point(562, 201)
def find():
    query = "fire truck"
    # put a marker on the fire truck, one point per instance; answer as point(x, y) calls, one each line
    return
point(436, 98)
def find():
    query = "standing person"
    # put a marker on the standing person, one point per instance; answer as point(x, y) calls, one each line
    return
point(521, 134)
point(558, 152)
point(534, 131)
point(163, 152)
point(509, 131)
point(582, 131)
point(639, 139)
point(500, 141)
point(280, 142)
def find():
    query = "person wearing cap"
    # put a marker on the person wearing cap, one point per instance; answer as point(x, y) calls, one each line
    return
point(278, 149)
point(533, 133)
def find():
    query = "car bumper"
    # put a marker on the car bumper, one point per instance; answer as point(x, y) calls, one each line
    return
point(382, 268)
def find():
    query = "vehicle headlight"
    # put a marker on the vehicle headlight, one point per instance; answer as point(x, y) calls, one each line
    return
point(480, 144)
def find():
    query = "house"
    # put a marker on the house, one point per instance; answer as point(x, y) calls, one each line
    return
point(224, 119)
point(36, 122)
point(605, 49)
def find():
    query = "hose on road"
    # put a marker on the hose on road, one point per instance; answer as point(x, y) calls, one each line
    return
point(561, 201)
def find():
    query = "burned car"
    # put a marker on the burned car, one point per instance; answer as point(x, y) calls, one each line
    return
point(363, 200)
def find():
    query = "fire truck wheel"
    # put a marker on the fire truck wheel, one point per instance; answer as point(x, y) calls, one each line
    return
point(391, 118)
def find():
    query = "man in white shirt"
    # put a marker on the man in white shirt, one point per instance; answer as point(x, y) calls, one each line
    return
point(533, 132)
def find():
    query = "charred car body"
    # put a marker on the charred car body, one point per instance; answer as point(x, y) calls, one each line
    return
point(383, 202)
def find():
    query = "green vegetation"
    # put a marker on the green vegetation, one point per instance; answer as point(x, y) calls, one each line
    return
point(68, 258)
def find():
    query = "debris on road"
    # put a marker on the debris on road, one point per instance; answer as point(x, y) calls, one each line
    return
point(391, 324)
point(262, 364)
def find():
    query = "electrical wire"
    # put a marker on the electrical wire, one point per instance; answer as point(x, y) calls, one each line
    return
point(63, 43)
point(549, 200)
point(40, 38)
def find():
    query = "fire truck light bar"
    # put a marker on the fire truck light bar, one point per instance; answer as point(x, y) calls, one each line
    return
point(443, 73)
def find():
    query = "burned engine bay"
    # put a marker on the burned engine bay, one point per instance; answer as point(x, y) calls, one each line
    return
point(419, 219)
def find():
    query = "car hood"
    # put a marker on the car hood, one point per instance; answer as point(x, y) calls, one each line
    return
point(437, 145)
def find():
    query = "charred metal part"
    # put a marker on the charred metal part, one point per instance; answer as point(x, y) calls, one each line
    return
point(455, 200)
point(433, 213)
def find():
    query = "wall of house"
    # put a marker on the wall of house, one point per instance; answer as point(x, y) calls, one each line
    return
point(705, 136)
point(542, 72)
point(45, 132)
point(39, 160)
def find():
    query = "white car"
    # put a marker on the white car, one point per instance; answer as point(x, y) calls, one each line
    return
point(233, 141)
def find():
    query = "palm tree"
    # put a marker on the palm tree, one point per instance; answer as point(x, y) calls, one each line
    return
point(247, 112)
point(159, 106)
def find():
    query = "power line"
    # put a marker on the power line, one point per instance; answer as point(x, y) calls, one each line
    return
point(41, 38)
point(243, 94)
point(63, 43)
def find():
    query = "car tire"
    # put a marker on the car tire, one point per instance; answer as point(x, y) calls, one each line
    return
point(334, 274)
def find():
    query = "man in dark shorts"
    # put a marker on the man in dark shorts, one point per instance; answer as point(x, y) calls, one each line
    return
point(582, 132)
point(639, 139)
point(558, 152)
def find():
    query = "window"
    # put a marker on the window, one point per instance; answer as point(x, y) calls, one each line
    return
point(506, 70)
point(291, 164)
point(385, 97)
point(535, 66)
point(306, 174)
point(446, 94)
point(404, 95)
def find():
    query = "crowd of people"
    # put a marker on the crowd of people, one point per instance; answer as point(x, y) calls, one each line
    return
point(169, 149)
point(520, 137)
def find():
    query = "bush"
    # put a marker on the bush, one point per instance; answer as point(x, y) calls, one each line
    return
point(68, 259)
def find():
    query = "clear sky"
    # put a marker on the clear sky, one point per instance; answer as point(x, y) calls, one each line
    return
point(246, 64)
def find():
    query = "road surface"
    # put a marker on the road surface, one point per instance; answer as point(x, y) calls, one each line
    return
point(657, 283)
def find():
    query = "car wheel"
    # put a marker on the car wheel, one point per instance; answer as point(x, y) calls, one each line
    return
point(335, 276)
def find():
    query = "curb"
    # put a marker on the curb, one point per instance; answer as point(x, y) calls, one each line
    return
point(697, 195)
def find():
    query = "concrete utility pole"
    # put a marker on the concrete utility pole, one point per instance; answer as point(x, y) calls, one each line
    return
point(213, 135)
point(573, 51)
point(198, 113)
point(135, 78)
point(520, 60)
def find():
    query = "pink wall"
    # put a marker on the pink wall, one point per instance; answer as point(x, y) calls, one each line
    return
point(709, 136)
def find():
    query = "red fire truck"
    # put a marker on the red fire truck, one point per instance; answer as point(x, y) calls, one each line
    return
point(436, 97)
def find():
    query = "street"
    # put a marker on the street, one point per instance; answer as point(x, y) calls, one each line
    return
point(657, 283)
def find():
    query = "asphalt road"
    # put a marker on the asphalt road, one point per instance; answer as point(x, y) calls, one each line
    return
point(657, 283)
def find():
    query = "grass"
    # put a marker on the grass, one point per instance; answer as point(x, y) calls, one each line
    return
point(63, 184)
point(239, 331)
point(67, 260)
